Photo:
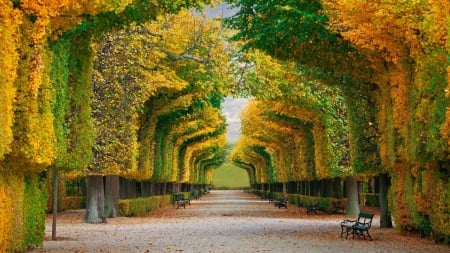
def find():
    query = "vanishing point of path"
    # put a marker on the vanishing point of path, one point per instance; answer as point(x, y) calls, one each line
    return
point(224, 221)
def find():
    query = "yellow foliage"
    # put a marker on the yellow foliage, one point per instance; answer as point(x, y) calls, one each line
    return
point(10, 20)
point(65, 14)
point(6, 213)
point(191, 172)
point(11, 211)
point(202, 122)
point(33, 130)
point(244, 154)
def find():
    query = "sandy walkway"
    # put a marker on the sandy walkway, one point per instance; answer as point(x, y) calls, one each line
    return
point(224, 221)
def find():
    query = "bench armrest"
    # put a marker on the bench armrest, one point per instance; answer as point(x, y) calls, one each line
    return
point(349, 223)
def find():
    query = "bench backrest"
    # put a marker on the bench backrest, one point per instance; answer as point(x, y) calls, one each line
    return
point(178, 196)
point(365, 218)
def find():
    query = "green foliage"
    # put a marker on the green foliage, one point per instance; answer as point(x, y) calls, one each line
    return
point(61, 109)
point(34, 211)
point(371, 199)
point(296, 30)
point(81, 138)
point(428, 104)
point(364, 131)
point(328, 205)
point(269, 24)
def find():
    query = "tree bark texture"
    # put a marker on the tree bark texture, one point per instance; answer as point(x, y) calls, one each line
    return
point(352, 196)
point(112, 191)
point(95, 201)
point(55, 202)
point(385, 215)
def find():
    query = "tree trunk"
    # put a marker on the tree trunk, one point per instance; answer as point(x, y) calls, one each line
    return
point(352, 196)
point(385, 215)
point(112, 193)
point(327, 188)
point(164, 189)
point(146, 189)
point(337, 189)
point(95, 201)
point(360, 193)
point(372, 185)
point(55, 202)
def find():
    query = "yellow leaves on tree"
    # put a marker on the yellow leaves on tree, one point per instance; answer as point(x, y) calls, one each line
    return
point(10, 20)
point(62, 15)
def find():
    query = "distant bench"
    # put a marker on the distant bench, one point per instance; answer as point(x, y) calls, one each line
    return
point(180, 201)
point(360, 226)
point(312, 208)
point(280, 203)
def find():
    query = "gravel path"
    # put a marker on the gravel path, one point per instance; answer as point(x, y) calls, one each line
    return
point(224, 221)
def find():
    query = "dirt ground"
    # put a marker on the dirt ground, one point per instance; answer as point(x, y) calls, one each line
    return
point(225, 221)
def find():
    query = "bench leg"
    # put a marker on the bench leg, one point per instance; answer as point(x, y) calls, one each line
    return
point(181, 203)
point(370, 238)
point(347, 231)
point(361, 233)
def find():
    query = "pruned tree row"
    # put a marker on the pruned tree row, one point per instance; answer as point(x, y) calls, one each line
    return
point(387, 63)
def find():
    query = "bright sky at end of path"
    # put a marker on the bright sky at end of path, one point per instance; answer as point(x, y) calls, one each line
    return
point(232, 108)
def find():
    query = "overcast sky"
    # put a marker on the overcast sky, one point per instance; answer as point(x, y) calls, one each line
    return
point(232, 108)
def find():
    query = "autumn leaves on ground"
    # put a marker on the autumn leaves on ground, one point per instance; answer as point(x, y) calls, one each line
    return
point(225, 221)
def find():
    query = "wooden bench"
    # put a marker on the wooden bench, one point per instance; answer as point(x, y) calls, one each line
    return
point(280, 203)
point(180, 201)
point(360, 226)
point(312, 209)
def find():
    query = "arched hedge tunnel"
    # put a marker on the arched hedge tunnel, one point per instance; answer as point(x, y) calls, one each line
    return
point(128, 95)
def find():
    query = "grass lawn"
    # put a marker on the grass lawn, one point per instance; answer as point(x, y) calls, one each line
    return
point(230, 176)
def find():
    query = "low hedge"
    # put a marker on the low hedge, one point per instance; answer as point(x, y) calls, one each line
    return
point(328, 205)
point(141, 206)
point(75, 202)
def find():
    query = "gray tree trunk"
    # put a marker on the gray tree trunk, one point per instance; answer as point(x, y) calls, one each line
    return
point(95, 201)
point(352, 196)
point(112, 192)
point(55, 202)
point(385, 215)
